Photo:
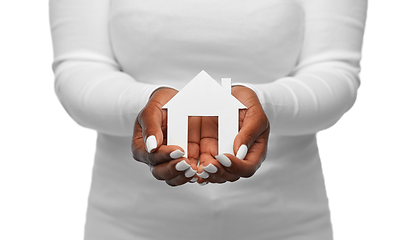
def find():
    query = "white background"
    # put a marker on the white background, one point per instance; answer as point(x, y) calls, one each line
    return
point(46, 159)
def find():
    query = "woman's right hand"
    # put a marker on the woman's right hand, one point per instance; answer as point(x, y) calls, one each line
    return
point(149, 143)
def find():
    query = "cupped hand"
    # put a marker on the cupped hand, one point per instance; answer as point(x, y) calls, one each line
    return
point(250, 144)
point(166, 163)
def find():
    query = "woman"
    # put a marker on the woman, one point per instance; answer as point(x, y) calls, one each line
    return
point(295, 64)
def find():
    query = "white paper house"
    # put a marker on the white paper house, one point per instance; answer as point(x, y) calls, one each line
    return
point(203, 96)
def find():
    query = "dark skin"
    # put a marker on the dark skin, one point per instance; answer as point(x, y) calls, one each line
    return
point(203, 143)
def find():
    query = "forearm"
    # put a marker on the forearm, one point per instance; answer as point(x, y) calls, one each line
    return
point(88, 80)
point(100, 98)
point(324, 83)
point(307, 103)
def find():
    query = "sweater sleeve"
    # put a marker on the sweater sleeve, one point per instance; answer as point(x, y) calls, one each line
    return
point(324, 83)
point(89, 82)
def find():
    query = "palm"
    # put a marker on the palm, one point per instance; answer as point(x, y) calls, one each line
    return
point(255, 132)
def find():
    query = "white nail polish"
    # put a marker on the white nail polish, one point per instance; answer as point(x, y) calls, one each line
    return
point(176, 154)
point(203, 183)
point(224, 160)
point(151, 143)
point(194, 179)
point(204, 175)
point(242, 151)
point(210, 168)
point(190, 172)
point(182, 166)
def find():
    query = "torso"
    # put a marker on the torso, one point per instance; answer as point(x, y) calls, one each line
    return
point(163, 41)
point(169, 42)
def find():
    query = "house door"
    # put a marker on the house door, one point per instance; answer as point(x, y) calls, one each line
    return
point(202, 133)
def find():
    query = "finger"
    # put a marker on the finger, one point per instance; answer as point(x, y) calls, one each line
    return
point(254, 124)
point(240, 167)
point(209, 136)
point(211, 170)
point(179, 168)
point(206, 160)
point(253, 160)
point(188, 176)
point(202, 182)
point(151, 119)
point(252, 121)
point(216, 179)
point(194, 135)
point(257, 153)
point(177, 181)
point(162, 154)
point(208, 144)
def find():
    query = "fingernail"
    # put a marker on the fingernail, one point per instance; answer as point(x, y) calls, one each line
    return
point(151, 143)
point(210, 168)
point(176, 154)
point(203, 183)
point(194, 179)
point(242, 151)
point(204, 175)
point(224, 160)
point(190, 172)
point(182, 165)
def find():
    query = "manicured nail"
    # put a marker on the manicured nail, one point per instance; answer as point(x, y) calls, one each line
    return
point(242, 151)
point(204, 175)
point(182, 166)
point(210, 168)
point(203, 183)
point(190, 172)
point(151, 143)
point(224, 160)
point(194, 179)
point(176, 154)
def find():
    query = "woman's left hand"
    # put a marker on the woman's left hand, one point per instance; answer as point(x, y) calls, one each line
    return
point(250, 144)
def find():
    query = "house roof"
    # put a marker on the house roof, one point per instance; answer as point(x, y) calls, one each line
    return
point(203, 96)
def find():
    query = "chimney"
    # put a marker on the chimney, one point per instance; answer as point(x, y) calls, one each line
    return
point(226, 84)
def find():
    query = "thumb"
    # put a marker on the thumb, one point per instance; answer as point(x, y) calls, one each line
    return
point(153, 119)
point(150, 120)
point(253, 125)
